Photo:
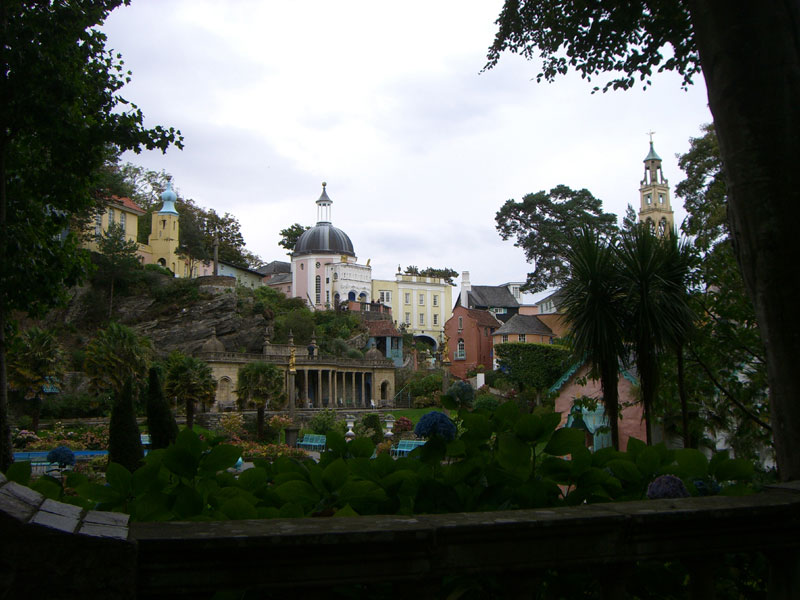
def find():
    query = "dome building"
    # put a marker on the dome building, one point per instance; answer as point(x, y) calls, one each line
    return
point(324, 264)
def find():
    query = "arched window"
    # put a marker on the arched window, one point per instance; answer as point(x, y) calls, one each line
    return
point(351, 296)
point(461, 351)
point(662, 226)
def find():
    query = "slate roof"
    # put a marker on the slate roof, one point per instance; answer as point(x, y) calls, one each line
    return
point(524, 324)
point(274, 267)
point(382, 328)
point(483, 317)
point(555, 297)
point(491, 296)
point(280, 278)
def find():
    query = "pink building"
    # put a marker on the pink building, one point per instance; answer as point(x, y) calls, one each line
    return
point(469, 332)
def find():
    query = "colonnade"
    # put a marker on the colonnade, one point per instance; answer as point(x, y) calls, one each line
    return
point(321, 387)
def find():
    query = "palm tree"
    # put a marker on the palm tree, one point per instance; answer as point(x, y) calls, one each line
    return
point(592, 304)
point(35, 361)
point(189, 380)
point(258, 384)
point(657, 315)
point(115, 355)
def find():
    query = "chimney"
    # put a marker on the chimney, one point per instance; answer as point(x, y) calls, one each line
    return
point(465, 288)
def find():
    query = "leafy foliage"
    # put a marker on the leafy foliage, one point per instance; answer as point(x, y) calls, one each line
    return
point(115, 355)
point(124, 442)
point(505, 460)
point(117, 259)
point(626, 40)
point(290, 235)
point(161, 423)
point(445, 273)
point(536, 366)
point(260, 383)
point(62, 118)
point(190, 381)
point(542, 224)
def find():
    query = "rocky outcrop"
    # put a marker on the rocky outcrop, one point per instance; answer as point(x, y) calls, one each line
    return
point(188, 328)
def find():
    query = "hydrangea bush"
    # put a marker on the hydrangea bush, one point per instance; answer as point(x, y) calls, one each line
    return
point(62, 455)
point(436, 423)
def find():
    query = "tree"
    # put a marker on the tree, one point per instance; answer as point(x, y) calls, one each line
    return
point(592, 302)
point(61, 117)
point(160, 423)
point(290, 235)
point(124, 440)
point(259, 383)
point(725, 369)
point(656, 317)
point(115, 355)
point(751, 64)
point(542, 223)
point(117, 260)
point(445, 273)
point(201, 228)
point(36, 360)
point(189, 380)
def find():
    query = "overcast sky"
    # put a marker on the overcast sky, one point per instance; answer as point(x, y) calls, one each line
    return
point(386, 103)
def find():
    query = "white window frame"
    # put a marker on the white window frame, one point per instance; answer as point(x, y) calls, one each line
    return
point(408, 318)
point(407, 298)
point(503, 338)
point(422, 299)
point(523, 338)
point(436, 300)
point(435, 318)
point(422, 319)
point(461, 351)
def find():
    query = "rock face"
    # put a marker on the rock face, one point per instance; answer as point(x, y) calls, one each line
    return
point(178, 321)
point(188, 328)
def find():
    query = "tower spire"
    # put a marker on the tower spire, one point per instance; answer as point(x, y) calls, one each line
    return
point(324, 206)
point(655, 208)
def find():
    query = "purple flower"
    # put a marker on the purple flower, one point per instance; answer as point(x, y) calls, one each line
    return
point(436, 423)
point(667, 486)
point(61, 455)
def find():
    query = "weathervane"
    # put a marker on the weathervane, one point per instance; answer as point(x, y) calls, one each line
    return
point(650, 133)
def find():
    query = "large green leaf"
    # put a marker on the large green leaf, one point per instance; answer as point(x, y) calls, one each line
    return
point(335, 474)
point(252, 479)
point(299, 492)
point(189, 441)
point(648, 462)
point(505, 416)
point(188, 502)
point(514, 455)
point(181, 461)
point(477, 427)
point(361, 448)
point(536, 428)
point(565, 441)
point(48, 487)
point(734, 469)
point(692, 464)
point(625, 470)
point(119, 478)
point(19, 472)
point(239, 508)
point(220, 458)
point(147, 478)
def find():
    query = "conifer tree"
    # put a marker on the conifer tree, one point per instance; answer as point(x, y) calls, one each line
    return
point(160, 421)
point(124, 442)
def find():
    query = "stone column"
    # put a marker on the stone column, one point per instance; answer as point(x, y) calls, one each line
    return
point(331, 395)
point(305, 388)
point(353, 388)
point(319, 388)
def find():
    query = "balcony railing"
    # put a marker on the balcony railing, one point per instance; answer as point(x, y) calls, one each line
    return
point(56, 550)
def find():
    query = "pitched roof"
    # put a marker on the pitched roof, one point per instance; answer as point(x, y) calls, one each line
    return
point(279, 279)
point(491, 296)
point(127, 204)
point(555, 298)
point(483, 317)
point(524, 324)
point(274, 267)
point(382, 328)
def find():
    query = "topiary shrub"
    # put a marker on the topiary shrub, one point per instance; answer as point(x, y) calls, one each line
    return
point(323, 422)
point(373, 422)
point(124, 443)
point(160, 422)
point(486, 402)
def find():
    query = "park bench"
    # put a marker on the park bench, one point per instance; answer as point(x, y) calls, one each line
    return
point(312, 441)
point(405, 447)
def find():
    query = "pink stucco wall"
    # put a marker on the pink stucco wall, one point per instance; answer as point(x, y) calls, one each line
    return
point(631, 423)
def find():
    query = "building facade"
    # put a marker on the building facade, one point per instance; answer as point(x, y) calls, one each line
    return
point(655, 208)
point(470, 345)
point(325, 270)
point(503, 301)
point(420, 305)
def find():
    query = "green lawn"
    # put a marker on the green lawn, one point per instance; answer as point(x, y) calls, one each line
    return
point(415, 413)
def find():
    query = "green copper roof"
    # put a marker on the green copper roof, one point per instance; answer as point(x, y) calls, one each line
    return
point(652, 154)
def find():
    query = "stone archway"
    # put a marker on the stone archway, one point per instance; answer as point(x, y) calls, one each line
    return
point(385, 391)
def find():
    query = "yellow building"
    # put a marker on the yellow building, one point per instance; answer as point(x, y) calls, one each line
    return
point(121, 211)
point(421, 304)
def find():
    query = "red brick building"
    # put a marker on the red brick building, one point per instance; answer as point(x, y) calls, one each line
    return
point(469, 333)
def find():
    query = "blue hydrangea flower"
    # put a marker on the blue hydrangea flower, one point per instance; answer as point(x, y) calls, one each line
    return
point(61, 455)
point(667, 486)
point(436, 423)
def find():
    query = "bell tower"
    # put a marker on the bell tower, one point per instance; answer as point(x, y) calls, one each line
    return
point(165, 231)
point(655, 208)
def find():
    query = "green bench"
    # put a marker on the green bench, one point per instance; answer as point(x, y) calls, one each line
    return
point(405, 447)
point(312, 441)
